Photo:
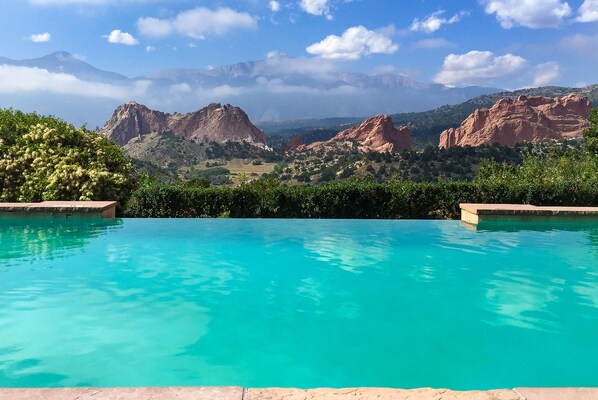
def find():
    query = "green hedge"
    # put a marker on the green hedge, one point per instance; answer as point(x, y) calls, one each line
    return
point(347, 200)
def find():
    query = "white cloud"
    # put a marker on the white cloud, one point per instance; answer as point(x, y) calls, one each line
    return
point(588, 12)
point(435, 43)
point(528, 13)
point(479, 68)
point(434, 21)
point(180, 88)
point(150, 49)
point(40, 37)
point(119, 37)
point(546, 74)
point(86, 2)
point(580, 44)
point(274, 6)
point(354, 43)
point(315, 68)
point(316, 7)
point(197, 23)
point(15, 79)
point(154, 27)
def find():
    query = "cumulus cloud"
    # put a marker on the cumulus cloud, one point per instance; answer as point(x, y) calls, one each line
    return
point(435, 43)
point(588, 12)
point(119, 37)
point(528, 13)
point(150, 49)
point(40, 37)
point(546, 74)
point(479, 68)
point(316, 7)
point(354, 43)
point(434, 21)
point(274, 6)
point(197, 23)
point(155, 27)
point(16, 79)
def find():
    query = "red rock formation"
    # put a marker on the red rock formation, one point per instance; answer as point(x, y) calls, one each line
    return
point(525, 119)
point(375, 134)
point(218, 123)
point(296, 142)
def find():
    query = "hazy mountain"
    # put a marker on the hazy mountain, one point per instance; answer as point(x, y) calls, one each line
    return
point(63, 62)
point(275, 89)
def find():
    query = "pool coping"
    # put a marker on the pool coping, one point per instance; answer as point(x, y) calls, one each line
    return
point(239, 393)
point(476, 213)
point(59, 209)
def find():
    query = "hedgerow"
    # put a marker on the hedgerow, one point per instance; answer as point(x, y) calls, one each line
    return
point(354, 199)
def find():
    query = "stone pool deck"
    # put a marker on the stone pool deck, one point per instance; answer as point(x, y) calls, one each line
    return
point(59, 209)
point(474, 213)
point(239, 393)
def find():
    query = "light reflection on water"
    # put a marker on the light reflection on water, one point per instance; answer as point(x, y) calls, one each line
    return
point(297, 303)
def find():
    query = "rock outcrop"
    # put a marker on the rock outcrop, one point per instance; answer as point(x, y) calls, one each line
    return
point(216, 122)
point(524, 119)
point(375, 134)
point(296, 142)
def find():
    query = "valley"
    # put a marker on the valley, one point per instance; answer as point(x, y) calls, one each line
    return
point(223, 147)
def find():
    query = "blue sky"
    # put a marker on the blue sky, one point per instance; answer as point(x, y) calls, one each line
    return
point(504, 43)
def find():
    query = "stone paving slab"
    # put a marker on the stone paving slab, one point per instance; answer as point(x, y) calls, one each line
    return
point(166, 393)
point(476, 213)
point(378, 394)
point(238, 393)
point(558, 393)
point(526, 209)
point(96, 209)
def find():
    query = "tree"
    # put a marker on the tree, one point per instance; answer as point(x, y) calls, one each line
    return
point(591, 134)
point(45, 158)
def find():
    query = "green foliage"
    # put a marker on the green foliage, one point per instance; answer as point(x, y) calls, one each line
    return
point(591, 134)
point(574, 169)
point(427, 125)
point(44, 158)
point(206, 173)
point(350, 199)
point(196, 183)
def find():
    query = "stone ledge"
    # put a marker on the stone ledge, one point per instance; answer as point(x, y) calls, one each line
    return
point(475, 213)
point(378, 394)
point(238, 393)
point(557, 393)
point(147, 393)
point(94, 209)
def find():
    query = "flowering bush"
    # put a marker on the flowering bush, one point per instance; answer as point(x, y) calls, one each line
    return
point(44, 158)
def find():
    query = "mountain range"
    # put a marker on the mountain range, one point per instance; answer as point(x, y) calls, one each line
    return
point(274, 89)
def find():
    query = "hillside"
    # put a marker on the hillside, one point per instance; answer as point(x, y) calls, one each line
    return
point(214, 123)
point(426, 126)
point(524, 119)
point(171, 158)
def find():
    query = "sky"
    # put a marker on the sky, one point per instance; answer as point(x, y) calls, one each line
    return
point(500, 43)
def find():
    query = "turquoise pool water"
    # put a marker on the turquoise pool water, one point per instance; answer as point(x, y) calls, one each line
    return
point(297, 303)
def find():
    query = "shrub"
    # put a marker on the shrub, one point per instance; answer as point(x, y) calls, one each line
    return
point(44, 158)
point(350, 199)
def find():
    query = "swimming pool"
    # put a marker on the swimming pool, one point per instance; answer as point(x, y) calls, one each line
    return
point(299, 303)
